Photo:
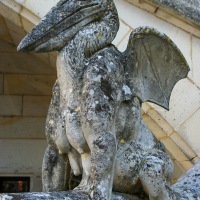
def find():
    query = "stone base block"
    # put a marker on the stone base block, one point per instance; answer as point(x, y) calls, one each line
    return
point(68, 195)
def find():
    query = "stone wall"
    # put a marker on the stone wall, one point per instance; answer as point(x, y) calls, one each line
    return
point(25, 93)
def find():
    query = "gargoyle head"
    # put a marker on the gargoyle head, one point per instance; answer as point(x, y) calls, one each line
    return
point(60, 25)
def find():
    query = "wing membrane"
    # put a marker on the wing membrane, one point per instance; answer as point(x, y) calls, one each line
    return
point(155, 65)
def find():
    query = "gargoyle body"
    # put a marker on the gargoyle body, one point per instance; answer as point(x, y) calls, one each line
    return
point(94, 119)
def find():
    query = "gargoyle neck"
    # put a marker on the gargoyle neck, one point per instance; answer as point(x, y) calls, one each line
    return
point(89, 40)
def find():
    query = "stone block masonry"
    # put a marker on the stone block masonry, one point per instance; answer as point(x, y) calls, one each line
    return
point(25, 93)
point(1, 83)
point(10, 105)
point(28, 84)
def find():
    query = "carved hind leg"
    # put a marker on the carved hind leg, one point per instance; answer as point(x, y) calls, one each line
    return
point(54, 166)
point(154, 174)
point(77, 141)
point(55, 161)
point(85, 163)
point(54, 170)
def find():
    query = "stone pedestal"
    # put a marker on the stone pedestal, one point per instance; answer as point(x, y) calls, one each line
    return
point(68, 195)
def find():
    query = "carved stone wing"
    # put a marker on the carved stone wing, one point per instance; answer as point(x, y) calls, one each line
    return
point(155, 65)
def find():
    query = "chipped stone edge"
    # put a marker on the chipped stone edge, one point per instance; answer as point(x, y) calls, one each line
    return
point(166, 13)
point(182, 8)
point(190, 17)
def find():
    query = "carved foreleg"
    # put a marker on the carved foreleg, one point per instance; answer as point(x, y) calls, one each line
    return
point(155, 172)
point(97, 123)
point(103, 150)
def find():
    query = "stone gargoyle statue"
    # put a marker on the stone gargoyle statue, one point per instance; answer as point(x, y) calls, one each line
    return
point(94, 120)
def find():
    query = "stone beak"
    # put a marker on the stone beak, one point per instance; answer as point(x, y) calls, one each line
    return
point(59, 26)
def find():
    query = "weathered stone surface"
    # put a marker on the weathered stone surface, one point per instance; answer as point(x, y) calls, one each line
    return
point(188, 185)
point(186, 8)
point(70, 195)
point(95, 114)
point(181, 38)
point(137, 153)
